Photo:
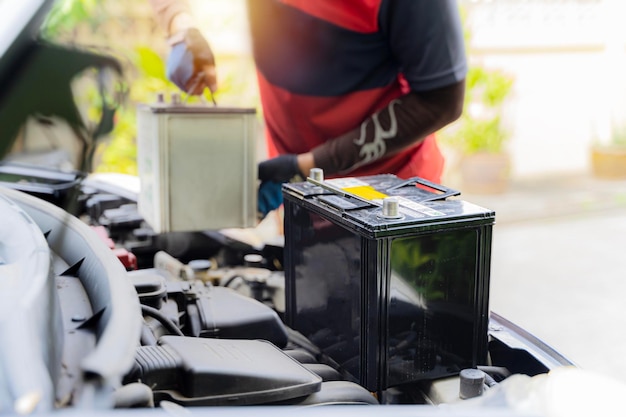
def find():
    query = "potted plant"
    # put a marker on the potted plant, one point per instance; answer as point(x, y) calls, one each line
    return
point(479, 136)
point(608, 160)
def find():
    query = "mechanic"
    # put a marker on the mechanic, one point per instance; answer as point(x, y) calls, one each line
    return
point(355, 87)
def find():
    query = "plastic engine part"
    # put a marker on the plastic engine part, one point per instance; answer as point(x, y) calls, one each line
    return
point(193, 371)
point(226, 314)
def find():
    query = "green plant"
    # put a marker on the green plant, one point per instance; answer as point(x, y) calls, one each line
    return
point(618, 136)
point(94, 23)
point(480, 127)
point(147, 77)
point(65, 15)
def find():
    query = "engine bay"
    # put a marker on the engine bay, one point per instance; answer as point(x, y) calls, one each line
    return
point(136, 318)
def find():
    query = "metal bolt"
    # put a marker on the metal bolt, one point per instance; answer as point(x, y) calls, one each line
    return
point(317, 174)
point(390, 207)
point(200, 265)
point(253, 259)
point(472, 383)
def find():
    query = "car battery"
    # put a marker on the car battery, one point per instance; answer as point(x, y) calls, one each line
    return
point(389, 278)
point(197, 166)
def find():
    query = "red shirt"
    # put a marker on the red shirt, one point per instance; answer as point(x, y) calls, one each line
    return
point(324, 66)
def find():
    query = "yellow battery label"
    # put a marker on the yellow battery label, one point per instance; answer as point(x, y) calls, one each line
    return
point(357, 188)
point(362, 189)
point(365, 191)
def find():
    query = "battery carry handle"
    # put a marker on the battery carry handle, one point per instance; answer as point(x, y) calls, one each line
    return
point(445, 191)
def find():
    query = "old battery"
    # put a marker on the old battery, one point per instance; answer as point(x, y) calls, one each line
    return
point(197, 166)
point(390, 296)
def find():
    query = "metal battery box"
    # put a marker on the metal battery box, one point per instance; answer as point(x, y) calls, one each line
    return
point(391, 297)
point(197, 166)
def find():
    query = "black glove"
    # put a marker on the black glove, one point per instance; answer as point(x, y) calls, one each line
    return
point(189, 55)
point(279, 169)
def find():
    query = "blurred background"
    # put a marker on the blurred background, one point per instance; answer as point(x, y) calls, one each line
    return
point(542, 142)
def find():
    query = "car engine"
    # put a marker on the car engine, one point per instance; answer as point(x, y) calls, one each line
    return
point(107, 313)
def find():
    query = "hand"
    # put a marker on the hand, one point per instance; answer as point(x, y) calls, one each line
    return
point(272, 173)
point(270, 197)
point(279, 169)
point(191, 64)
